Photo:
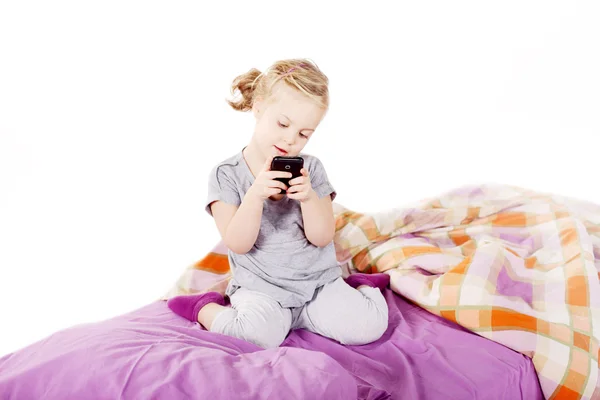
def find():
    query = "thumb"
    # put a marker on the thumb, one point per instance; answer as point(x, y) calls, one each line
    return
point(267, 166)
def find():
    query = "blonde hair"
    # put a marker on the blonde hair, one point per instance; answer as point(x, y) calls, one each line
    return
point(301, 74)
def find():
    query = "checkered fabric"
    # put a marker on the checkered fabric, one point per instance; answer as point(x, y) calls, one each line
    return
point(516, 266)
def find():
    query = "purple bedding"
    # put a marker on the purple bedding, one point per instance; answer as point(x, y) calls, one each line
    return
point(151, 353)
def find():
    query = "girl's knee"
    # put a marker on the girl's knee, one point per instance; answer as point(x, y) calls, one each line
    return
point(367, 334)
point(255, 318)
point(375, 330)
point(368, 327)
point(269, 341)
point(266, 334)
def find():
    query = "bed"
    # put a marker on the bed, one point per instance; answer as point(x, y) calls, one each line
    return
point(469, 253)
point(150, 353)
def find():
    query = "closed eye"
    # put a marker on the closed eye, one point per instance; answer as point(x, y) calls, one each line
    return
point(285, 126)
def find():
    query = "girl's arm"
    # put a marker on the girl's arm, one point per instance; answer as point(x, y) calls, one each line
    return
point(317, 214)
point(239, 226)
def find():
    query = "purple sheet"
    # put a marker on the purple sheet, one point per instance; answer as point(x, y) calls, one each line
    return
point(151, 353)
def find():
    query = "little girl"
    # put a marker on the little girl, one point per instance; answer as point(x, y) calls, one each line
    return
point(280, 246)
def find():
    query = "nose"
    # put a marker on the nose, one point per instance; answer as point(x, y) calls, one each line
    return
point(290, 138)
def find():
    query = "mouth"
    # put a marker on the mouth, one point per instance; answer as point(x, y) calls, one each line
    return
point(281, 151)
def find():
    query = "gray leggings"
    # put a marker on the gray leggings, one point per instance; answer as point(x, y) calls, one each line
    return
point(338, 311)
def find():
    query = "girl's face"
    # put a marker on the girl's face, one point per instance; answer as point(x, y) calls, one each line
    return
point(285, 122)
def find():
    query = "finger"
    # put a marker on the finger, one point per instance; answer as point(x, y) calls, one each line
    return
point(296, 188)
point(279, 174)
point(268, 161)
point(296, 196)
point(277, 184)
point(272, 192)
point(304, 172)
point(298, 180)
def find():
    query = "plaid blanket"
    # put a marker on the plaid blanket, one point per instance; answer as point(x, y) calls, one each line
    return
point(515, 266)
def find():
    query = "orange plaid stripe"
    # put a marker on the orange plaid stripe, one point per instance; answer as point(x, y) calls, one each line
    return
point(213, 262)
point(362, 261)
point(564, 393)
point(510, 219)
point(503, 318)
point(459, 236)
point(472, 215)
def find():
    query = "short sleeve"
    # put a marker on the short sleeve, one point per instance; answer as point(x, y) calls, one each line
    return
point(318, 179)
point(221, 187)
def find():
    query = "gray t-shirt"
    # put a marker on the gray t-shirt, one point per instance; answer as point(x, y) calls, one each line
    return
point(283, 263)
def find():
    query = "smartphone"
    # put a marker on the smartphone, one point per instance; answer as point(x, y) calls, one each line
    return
point(287, 164)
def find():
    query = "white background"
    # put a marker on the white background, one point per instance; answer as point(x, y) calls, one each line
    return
point(113, 113)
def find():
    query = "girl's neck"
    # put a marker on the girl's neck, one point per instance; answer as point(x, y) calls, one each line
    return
point(254, 158)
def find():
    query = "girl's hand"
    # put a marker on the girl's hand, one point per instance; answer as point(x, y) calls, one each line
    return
point(265, 185)
point(301, 188)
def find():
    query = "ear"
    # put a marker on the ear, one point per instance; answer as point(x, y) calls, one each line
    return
point(257, 106)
